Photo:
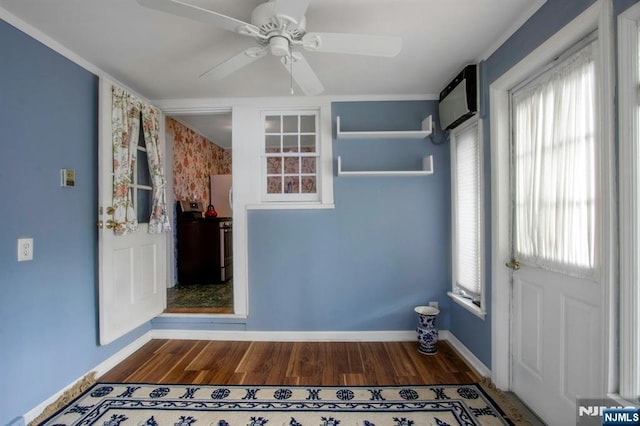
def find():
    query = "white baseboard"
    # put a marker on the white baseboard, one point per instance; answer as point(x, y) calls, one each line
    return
point(287, 336)
point(477, 365)
point(264, 336)
point(100, 369)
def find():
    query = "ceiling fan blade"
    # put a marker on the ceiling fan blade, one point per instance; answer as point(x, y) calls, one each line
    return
point(294, 9)
point(355, 44)
point(235, 63)
point(186, 10)
point(302, 73)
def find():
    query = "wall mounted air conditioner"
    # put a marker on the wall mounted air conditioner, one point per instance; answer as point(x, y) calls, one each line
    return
point(458, 101)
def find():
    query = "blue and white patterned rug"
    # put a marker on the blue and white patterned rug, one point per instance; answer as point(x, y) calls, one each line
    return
point(109, 404)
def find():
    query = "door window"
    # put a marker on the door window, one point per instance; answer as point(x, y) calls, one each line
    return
point(142, 185)
point(553, 161)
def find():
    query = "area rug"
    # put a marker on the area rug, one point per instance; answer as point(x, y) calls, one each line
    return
point(201, 296)
point(111, 404)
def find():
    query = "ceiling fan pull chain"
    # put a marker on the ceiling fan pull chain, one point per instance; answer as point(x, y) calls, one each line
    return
point(291, 72)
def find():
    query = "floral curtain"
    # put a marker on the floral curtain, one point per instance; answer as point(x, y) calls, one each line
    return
point(125, 127)
point(125, 118)
point(159, 220)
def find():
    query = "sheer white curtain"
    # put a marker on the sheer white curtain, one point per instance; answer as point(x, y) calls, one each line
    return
point(554, 167)
point(467, 193)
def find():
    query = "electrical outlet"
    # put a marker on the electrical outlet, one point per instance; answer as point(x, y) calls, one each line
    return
point(433, 304)
point(25, 249)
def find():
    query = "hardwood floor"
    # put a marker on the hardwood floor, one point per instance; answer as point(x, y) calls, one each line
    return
point(290, 363)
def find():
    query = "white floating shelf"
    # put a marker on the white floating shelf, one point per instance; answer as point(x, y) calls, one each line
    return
point(427, 169)
point(427, 128)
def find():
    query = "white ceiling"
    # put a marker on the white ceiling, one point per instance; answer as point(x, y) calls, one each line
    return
point(161, 56)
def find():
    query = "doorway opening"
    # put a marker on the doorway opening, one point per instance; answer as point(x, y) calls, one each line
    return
point(201, 159)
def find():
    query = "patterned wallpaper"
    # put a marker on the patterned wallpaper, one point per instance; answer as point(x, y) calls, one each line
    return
point(195, 158)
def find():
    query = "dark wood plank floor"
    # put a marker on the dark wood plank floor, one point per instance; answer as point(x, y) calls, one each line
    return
point(290, 363)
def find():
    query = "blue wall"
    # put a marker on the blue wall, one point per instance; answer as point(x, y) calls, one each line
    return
point(384, 249)
point(48, 315)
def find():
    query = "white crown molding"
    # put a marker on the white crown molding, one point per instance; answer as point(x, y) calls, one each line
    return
point(195, 106)
point(219, 105)
point(512, 29)
point(43, 38)
point(61, 49)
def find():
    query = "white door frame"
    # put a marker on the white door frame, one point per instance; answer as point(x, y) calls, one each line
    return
point(598, 16)
point(240, 302)
point(629, 200)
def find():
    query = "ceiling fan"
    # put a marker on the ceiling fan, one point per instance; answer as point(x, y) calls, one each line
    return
point(279, 27)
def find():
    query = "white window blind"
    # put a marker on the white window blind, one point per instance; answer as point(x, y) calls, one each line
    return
point(554, 167)
point(467, 205)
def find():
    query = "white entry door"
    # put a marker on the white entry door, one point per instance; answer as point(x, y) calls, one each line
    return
point(557, 331)
point(132, 272)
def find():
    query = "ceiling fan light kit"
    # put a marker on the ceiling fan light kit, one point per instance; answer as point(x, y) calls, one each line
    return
point(280, 27)
point(279, 46)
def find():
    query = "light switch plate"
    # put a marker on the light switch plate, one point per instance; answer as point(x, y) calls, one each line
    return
point(67, 177)
point(25, 249)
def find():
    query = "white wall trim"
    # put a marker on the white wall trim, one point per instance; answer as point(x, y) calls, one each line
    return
point(100, 369)
point(629, 176)
point(515, 26)
point(289, 336)
point(212, 105)
point(468, 356)
point(61, 49)
point(595, 17)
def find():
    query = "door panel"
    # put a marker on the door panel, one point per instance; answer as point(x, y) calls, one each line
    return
point(580, 347)
point(557, 342)
point(529, 334)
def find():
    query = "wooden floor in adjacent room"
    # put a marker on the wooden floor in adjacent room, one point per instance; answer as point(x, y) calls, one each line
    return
point(290, 363)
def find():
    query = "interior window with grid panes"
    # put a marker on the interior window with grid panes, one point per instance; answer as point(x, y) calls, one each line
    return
point(291, 156)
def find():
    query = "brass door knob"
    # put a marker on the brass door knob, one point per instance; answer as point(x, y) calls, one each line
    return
point(110, 210)
point(513, 264)
point(111, 224)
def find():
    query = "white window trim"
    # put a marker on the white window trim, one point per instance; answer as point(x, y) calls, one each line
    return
point(324, 183)
point(596, 17)
point(480, 311)
point(629, 176)
point(298, 198)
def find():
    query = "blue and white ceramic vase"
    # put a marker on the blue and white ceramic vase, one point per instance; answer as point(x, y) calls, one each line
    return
point(426, 330)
